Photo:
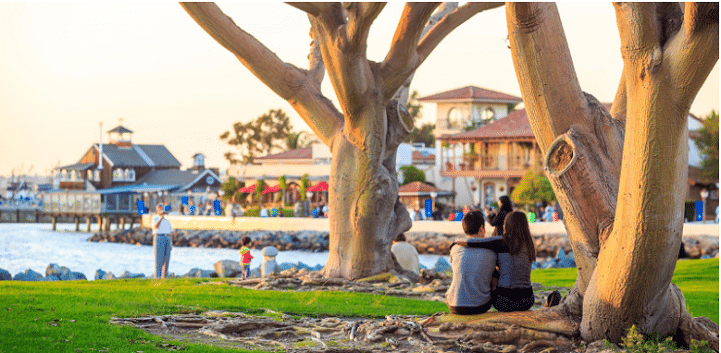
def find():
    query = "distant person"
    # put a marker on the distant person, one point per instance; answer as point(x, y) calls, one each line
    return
point(504, 207)
point(406, 254)
point(548, 213)
point(245, 257)
point(470, 292)
point(161, 241)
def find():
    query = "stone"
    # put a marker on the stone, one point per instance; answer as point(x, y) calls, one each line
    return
point(28, 275)
point(442, 265)
point(99, 274)
point(127, 274)
point(269, 265)
point(227, 268)
point(198, 273)
point(51, 278)
point(286, 266)
point(5, 275)
point(108, 275)
point(77, 276)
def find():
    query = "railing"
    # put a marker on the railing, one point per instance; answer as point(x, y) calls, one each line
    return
point(487, 163)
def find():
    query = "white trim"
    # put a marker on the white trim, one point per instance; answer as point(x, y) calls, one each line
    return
point(145, 157)
point(105, 157)
point(201, 175)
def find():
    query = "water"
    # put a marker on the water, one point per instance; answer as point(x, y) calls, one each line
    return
point(34, 246)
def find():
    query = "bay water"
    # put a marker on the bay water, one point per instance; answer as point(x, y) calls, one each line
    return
point(35, 245)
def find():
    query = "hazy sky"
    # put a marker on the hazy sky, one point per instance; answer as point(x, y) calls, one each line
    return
point(66, 67)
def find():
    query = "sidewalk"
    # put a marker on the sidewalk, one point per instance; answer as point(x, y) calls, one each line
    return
point(321, 224)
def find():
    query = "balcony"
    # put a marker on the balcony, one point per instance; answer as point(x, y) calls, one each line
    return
point(487, 166)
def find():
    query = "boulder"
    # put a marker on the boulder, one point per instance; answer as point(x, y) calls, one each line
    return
point(77, 276)
point(51, 278)
point(5, 275)
point(198, 273)
point(99, 274)
point(227, 268)
point(28, 275)
point(442, 265)
point(127, 274)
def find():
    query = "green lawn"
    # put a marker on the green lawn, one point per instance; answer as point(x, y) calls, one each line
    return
point(73, 316)
point(698, 280)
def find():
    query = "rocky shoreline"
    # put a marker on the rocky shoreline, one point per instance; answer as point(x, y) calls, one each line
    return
point(547, 245)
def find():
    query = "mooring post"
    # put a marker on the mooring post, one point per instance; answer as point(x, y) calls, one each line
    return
point(55, 222)
point(87, 223)
point(77, 223)
point(122, 223)
point(132, 220)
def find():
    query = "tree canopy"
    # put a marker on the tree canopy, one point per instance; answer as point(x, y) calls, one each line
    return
point(266, 134)
point(708, 142)
point(534, 187)
point(410, 174)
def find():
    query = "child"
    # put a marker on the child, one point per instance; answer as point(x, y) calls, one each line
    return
point(245, 256)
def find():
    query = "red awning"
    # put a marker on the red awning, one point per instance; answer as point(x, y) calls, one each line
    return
point(269, 189)
point(247, 189)
point(322, 186)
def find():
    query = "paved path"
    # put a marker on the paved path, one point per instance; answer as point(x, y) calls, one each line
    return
point(321, 224)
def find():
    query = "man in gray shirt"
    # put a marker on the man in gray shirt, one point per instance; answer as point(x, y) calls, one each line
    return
point(470, 290)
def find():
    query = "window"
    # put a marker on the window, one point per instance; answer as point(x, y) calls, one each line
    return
point(89, 175)
point(117, 174)
point(130, 174)
point(97, 175)
point(487, 115)
point(455, 118)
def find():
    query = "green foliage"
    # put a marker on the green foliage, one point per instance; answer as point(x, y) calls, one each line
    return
point(230, 190)
point(255, 212)
point(411, 173)
point(424, 132)
point(258, 192)
point(261, 136)
point(708, 143)
point(300, 139)
point(700, 347)
point(533, 187)
point(304, 184)
point(634, 342)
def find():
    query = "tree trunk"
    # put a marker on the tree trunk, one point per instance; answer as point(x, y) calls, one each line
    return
point(623, 205)
point(366, 212)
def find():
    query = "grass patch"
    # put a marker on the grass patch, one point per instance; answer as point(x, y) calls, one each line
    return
point(73, 316)
point(697, 279)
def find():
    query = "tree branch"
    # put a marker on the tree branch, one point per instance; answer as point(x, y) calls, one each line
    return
point(286, 80)
point(360, 18)
point(545, 71)
point(700, 15)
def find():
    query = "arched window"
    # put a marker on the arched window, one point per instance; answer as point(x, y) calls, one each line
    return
point(117, 174)
point(455, 118)
point(97, 175)
point(487, 115)
point(130, 174)
point(89, 175)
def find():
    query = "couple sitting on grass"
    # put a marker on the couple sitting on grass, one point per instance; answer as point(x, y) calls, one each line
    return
point(477, 285)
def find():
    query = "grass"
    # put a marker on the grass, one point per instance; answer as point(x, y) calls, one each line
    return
point(697, 279)
point(74, 316)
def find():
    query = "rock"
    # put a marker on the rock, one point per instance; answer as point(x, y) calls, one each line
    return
point(198, 273)
point(51, 278)
point(227, 268)
point(127, 274)
point(601, 346)
point(28, 275)
point(286, 266)
point(99, 274)
point(442, 265)
point(269, 265)
point(5, 275)
point(566, 263)
point(77, 276)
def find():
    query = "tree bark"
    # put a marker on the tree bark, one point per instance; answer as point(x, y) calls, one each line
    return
point(619, 179)
point(365, 211)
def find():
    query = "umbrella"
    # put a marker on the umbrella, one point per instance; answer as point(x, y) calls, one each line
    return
point(322, 186)
point(269, 189)
point(247, 189)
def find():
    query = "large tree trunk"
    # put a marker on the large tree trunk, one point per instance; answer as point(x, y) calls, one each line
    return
point(366, 213)
point(623, 205)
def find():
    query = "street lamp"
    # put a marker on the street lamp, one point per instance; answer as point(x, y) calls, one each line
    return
point(704, 195)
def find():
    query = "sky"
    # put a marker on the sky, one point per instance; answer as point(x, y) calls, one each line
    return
point(66, 67)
